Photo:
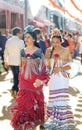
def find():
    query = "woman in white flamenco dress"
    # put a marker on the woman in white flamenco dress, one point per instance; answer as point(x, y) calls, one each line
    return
point(59, 113)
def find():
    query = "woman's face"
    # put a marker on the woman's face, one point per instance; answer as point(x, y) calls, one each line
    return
point(56, 43)
point(28, 39)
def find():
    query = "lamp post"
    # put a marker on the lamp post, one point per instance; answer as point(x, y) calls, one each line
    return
point(26, 9)
point(64, 16)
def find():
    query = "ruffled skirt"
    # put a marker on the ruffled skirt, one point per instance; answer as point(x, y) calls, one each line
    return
point(28, 110)
point(59, 113)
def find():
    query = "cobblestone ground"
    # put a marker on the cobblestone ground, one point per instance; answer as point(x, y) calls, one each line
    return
point(6, 101)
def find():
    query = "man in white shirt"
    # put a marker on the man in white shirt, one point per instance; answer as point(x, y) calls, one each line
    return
point(12, 56)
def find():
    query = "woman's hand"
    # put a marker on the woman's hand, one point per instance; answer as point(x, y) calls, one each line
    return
point(6, 65)
point(57, 70)
point(38, 83)
point(61, 69)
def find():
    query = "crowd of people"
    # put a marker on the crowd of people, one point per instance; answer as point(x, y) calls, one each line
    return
point(37, 60)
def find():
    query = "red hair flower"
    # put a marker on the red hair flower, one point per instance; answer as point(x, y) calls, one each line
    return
point(27, 55)
point(56, 56)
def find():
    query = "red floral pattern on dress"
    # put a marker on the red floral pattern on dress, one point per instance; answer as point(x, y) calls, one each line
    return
point(56, 56)
point(27, 55)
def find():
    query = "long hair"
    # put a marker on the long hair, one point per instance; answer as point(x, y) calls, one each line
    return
point(59, 37)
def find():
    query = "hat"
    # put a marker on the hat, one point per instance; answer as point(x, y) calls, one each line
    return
point(29, 28)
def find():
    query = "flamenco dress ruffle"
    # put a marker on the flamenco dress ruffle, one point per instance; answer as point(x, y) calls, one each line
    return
point(59, 111)
point(28, 110)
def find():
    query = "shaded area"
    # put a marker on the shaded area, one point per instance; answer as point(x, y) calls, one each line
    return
point(78, 58)
point(73, 91)
point(3, 76)
point(6, 111)
point(80, 73)
point(78, 110)
point(4, 92)
point(6, 76)
point(77, 115)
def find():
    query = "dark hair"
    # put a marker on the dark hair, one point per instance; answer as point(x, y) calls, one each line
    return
point(51, 52)
point(16, 30)
point(61, 31)
point(59, 37)
point(70, 35)
point(37, 31)
point(34, 36)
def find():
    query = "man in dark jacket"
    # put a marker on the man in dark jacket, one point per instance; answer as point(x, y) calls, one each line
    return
point(40, 41)
point(3, 40)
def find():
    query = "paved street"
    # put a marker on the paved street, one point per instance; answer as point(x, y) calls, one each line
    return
point(6, 101)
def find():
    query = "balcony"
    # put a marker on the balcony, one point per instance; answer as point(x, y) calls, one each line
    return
point(15, 2)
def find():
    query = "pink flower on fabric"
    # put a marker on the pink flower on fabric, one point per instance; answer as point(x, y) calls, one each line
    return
point(56, 56)
point(27, 55)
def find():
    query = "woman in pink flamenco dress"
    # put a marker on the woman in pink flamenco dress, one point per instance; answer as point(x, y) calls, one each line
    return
point(28, 110)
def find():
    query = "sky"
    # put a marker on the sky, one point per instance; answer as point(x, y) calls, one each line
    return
point(70, 7)
point(36, 4)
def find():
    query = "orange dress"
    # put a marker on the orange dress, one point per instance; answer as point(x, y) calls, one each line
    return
point(71, 46)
